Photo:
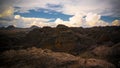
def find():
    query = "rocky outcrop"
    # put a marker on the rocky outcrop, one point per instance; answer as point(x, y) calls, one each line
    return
point(39, 58)
point(101, 51)
point(108, 53)
point(96, 42)
point(60, 39)
point(11, 27)
point(61, 26)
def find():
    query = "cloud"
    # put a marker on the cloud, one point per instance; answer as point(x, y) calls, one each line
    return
point(102, 7)
point(25, 22)
point(7, 12)
point(28, 22)
point(80, 9)
point(81, 20)
point(78, 20)
point(94, 20)
point(75, 21)
point(116, 23)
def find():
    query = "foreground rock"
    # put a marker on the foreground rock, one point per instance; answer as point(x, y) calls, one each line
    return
point(109, 53)
point(38, 58)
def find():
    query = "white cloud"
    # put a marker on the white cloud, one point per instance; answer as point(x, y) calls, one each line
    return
point(80, 20)
point(92, 19)
point(75, 21)
point(17, 16)
point(60, 21)
point(28, 21)
point(77, 8)
point(116, 23)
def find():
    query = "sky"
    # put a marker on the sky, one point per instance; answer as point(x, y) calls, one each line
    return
point(72, 13)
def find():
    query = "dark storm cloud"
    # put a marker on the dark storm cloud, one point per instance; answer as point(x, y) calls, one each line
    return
point(115, 7)
point(54, 6)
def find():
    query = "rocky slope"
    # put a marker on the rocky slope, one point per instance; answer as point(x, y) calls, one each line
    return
point(39, 58)
point(101, 43)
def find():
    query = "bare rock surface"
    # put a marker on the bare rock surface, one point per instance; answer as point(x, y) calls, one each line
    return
point(39, 58)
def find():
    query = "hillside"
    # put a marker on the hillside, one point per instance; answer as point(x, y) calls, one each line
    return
point(101, 44)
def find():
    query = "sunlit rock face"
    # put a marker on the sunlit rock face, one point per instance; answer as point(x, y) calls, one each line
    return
point(39, 58)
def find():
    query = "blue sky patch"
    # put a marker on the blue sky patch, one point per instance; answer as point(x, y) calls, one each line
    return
point(45, 13)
